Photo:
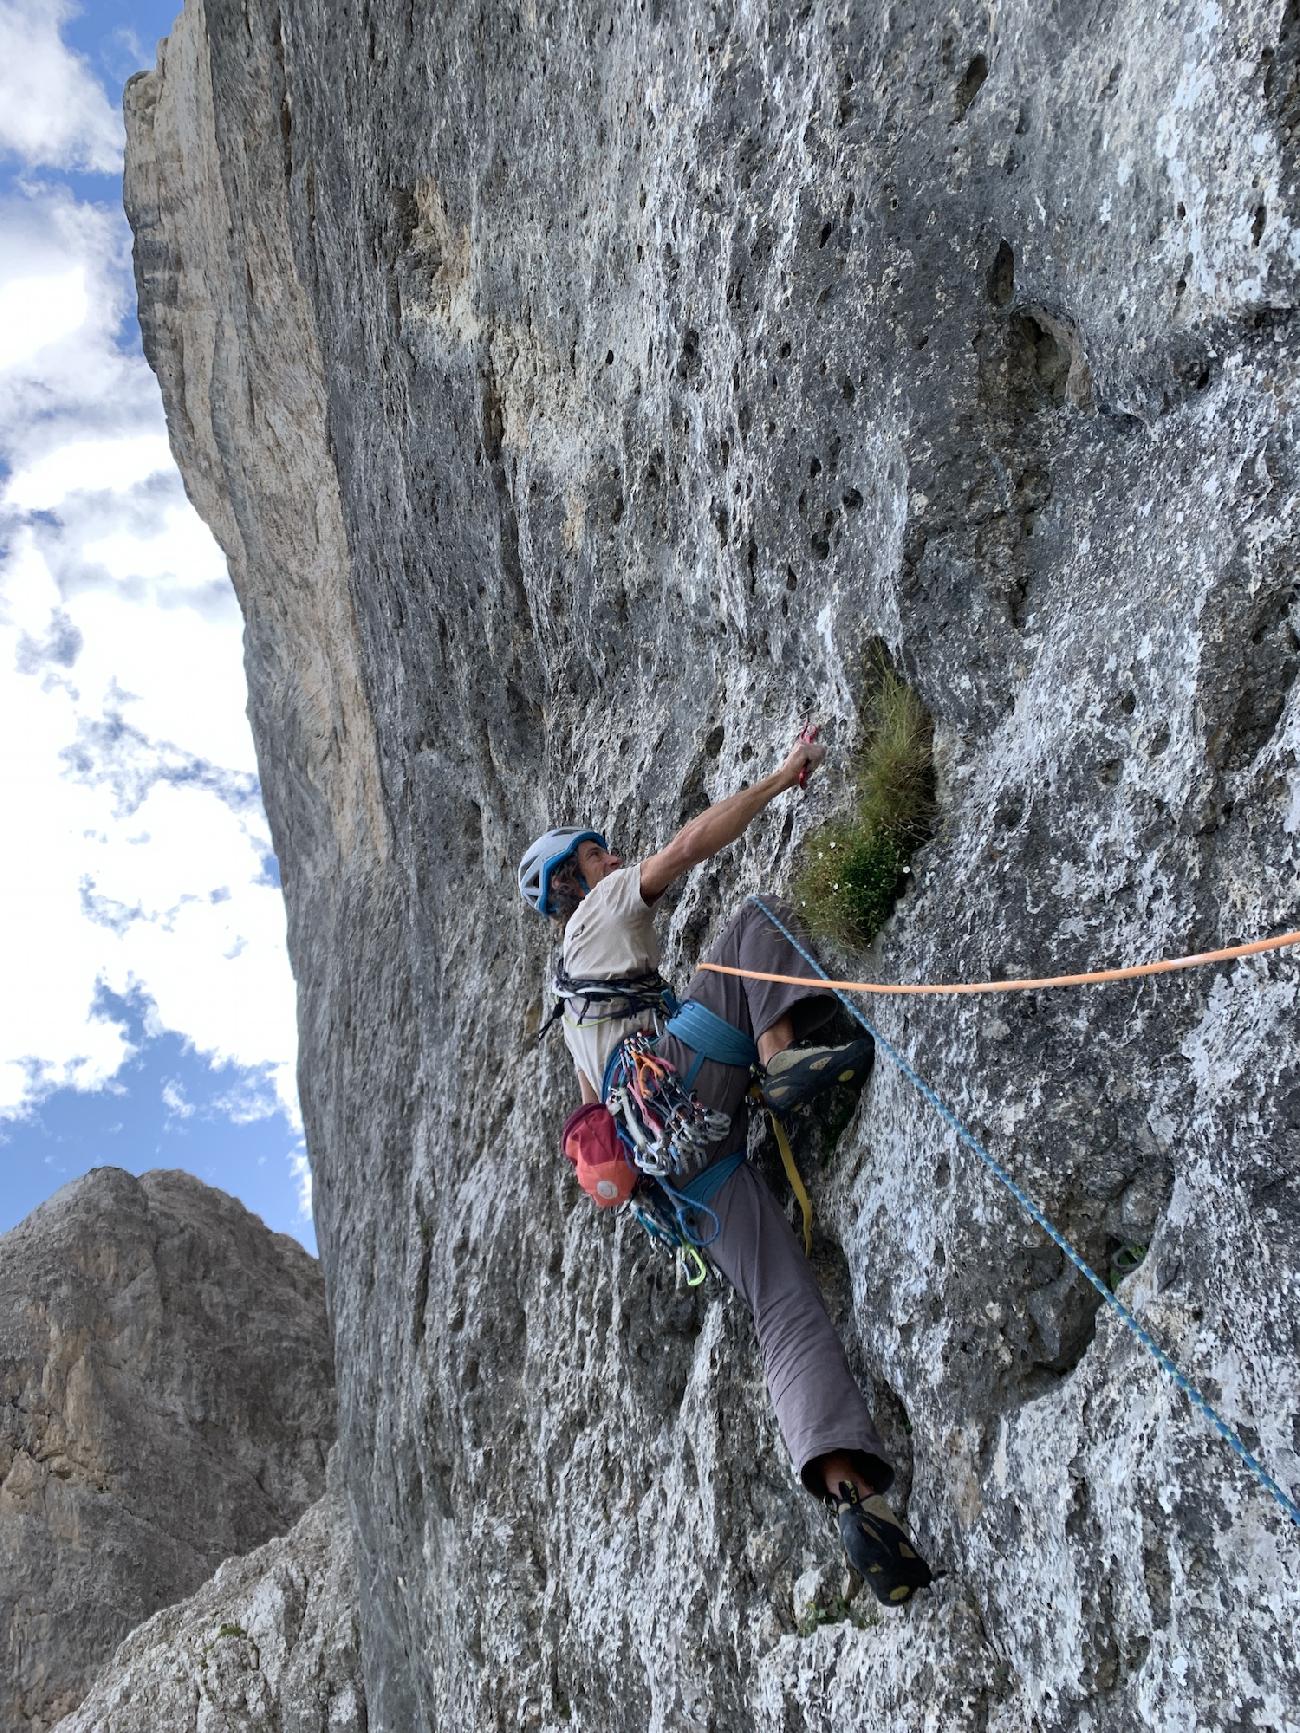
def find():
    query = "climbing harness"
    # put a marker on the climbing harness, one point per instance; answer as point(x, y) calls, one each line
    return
point(611, 999)
point(1157, 1353)
point(712, 1037)
point(667, 1126)
point(622, 1146)
point(664, 1128)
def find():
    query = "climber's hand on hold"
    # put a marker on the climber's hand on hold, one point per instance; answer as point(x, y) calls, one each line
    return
point(804, 758)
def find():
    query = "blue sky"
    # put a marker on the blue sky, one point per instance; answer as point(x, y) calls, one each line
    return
point(148, 1013)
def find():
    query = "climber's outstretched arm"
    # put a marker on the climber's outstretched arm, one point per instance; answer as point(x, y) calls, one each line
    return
point(723, 822)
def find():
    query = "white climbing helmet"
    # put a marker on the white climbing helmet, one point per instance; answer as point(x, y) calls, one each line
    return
point(544, 856)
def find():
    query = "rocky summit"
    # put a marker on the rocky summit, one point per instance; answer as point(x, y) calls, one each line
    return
point(166, 1401)
point(581, 395)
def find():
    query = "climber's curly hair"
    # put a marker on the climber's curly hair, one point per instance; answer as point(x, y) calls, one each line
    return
point(564, 893)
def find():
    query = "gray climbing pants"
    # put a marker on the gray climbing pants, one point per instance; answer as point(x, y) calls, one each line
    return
point(819, 1407)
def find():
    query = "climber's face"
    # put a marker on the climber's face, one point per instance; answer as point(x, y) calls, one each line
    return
point(596, 863)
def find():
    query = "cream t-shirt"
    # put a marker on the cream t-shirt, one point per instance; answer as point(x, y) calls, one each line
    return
point(610, 933)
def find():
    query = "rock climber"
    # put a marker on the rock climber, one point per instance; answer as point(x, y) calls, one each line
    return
point(610, 989)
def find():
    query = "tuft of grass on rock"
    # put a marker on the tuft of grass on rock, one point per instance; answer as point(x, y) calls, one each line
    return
point(853, 867)
point(839, 1611)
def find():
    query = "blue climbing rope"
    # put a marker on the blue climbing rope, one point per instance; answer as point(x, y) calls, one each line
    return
point(1116, 1305)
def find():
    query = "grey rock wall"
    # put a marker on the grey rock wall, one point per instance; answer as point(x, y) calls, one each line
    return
point(579, 392)
point(270, 1645)
point(165, 1401)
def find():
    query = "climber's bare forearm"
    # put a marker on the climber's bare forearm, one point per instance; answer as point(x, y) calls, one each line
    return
point(728, 819)
point(715, 828)
point(725, 820)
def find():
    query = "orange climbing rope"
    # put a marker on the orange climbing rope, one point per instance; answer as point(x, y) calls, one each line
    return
point(1164, 967)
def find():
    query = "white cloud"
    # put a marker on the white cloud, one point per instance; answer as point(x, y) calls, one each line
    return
point(300, 1168)
point(78, 466)
point(38, 311)
point(136, 844)
point(59, 1057)
point(140, 868)
point(68, 380)
point(53, 111)
point(174, 1100)
point(257, 1095)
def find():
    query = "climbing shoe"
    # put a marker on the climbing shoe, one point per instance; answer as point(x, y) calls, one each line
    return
point(800, 1073)
point(879, 1548)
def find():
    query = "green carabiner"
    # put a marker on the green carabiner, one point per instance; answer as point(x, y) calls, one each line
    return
point(691, 1260)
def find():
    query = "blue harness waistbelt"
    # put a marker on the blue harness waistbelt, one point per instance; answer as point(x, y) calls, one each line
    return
point(712, 1179)
point(712, 1037)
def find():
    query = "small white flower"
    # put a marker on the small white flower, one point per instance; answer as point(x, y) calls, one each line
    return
point(835, 886)
point(832, 845)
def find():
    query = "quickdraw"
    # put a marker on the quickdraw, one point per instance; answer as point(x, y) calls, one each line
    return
point(667, 1127)
point(664, 1231)
point(665, 1130)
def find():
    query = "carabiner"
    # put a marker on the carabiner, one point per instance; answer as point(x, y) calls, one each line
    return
point(690, 1259)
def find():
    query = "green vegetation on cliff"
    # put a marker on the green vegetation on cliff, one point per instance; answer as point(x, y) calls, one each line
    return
point(853, 865)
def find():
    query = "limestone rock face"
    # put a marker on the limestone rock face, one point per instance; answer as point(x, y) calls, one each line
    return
point(579, 392)
point(270, 1645)
point(165, 1401)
